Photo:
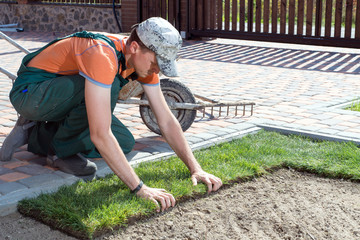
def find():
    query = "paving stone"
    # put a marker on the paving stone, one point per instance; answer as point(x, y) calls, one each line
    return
point(220, 132)
point(340, 128)
point(283, 114)
point(269, 103)
point(292, 126)
point(343, 112)
point(235, 120)
point(228, 130)
point(193, 139)
point(139, 155)
point(312, 106)
point(150, 150)
point(40, 161)
point(309, 128)
point(163, 148)
point(328, 131)
point(14, 164)
point(39, 180)
point(104, 172)
point(149, 134)
point(129, 156)
point(205, 136)
point(322, 117)
point(212, 128)
point(241, 126)
point(33, 169)
point(10, 187)
point(131, 124)
point(296, 104)
point(8, 124)
point(13, 176)
point(165, 145)
point(131, 129)
point(148, 141)
point(355, 136)
point(64, 175)
point(257, 121)
point(331, 122)
point(356, 120)
point(5, 170)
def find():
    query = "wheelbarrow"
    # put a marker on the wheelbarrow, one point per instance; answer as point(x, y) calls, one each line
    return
point(182, 102)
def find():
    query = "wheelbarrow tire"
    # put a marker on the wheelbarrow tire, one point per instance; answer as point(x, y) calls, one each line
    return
point(174, 91)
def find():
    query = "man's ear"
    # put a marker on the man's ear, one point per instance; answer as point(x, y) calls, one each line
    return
point(134, 46)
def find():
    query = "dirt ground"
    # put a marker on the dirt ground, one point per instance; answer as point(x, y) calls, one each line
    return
point(284, 205)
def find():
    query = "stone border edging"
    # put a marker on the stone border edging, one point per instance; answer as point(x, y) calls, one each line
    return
point(311, 135)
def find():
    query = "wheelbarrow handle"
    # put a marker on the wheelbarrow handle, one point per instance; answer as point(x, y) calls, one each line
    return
point(172, 105)
point(2, 35)
point(7, 73)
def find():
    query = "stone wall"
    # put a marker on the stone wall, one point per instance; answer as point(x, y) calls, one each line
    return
point(59, 18)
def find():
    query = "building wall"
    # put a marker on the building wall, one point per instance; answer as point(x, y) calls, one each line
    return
point(59, 18)
point(39, 17)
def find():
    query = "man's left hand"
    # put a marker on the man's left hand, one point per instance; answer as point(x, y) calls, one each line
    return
point(213, 183)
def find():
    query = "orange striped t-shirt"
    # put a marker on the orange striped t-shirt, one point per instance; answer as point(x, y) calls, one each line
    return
point(93, 59)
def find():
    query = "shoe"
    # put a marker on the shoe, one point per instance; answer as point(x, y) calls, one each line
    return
point(17, 138)
point(75, 164)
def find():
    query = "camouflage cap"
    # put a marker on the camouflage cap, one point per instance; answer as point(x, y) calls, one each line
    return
point(161, 37)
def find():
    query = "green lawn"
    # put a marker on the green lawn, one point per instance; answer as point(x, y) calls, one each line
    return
point(89, 209)
point(355, 106)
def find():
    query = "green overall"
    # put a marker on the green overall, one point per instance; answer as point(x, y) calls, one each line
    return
point(57, 103)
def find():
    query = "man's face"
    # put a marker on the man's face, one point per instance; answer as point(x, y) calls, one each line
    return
point(144, 62)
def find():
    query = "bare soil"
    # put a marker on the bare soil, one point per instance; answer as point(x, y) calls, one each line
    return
point(283, 205)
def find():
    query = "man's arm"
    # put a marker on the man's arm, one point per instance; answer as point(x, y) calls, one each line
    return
point(171, 130)
point(99, 117)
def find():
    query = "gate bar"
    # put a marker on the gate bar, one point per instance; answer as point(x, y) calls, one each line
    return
point(283, 38)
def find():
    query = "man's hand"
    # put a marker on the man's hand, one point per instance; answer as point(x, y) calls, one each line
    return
point(213, 183)
point(157, 195)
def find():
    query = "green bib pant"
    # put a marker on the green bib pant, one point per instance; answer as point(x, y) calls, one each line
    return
point(57, 104)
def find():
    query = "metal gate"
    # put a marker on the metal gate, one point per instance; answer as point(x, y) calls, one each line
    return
point(168, 9)
point(315, 22)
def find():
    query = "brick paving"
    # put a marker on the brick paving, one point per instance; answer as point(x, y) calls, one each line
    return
point(297, 89)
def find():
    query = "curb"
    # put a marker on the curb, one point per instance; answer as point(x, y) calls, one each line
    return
point(317, 136)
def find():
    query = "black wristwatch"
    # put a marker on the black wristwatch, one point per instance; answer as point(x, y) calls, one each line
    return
point(137, 188)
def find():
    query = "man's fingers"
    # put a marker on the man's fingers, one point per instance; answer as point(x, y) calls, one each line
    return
point(166, 200)
point(156, 203)
point(173, 201)
point(217, 183)
point(213, 183)
point(162, 202)
point(209, 184)
point(170, 200)
point(162, 199)
point(194, 180)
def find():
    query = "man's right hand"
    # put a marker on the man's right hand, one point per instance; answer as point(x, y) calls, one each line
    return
point(157, 195)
